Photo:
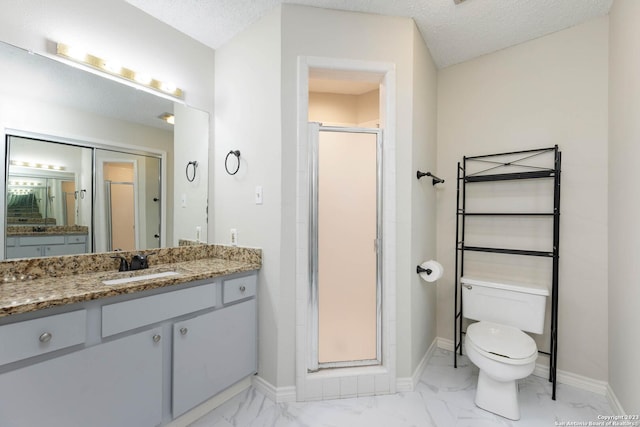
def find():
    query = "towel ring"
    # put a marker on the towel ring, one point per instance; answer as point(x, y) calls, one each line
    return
point(195, 166)
point(226, 160)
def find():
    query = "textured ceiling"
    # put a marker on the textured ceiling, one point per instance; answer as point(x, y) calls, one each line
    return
point(453, 33)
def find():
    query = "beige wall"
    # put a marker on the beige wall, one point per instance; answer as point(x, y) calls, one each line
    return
point(548, 91)
point(624, 203)
point(333, 109)
point(423, 201)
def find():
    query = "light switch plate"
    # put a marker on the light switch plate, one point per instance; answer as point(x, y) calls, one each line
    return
point(258, 194)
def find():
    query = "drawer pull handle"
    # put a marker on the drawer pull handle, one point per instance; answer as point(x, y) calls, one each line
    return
point(242, 289)
point(184, 331)
point(156, 338)
point(45, 337)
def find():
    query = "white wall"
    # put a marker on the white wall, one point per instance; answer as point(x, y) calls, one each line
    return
point(624, 203)
point(248, 105)
point(548, 91)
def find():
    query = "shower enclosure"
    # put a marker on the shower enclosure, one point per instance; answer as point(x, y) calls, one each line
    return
point(345, 237)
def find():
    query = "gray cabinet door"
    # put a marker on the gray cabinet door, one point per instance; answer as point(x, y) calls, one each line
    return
point(114, 384)
point(212, 352)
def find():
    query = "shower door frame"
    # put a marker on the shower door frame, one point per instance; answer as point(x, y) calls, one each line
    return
point(314, 130)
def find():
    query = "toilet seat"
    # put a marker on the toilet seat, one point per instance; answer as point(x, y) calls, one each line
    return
point(502, 343)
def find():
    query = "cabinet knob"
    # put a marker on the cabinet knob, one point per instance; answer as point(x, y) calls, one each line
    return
point(184, 331)
point(242, 289)
point(156, 338)
point(45, 337)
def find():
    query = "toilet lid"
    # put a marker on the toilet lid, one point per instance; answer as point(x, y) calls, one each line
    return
point(501, 340)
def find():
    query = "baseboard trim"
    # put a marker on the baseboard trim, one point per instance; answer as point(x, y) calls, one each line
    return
point(276, 394)
point(575, 380)
point(445, 344)
point(564, 377)
point(406, 384)
point(204, 408)
point(615, 404)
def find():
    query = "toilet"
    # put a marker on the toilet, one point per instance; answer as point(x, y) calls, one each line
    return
point(496, 344)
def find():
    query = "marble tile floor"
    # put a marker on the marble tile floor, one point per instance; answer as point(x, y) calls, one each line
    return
point(443, 398)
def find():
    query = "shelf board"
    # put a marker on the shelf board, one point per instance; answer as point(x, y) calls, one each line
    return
point(545, 173)
point(508, 251)
point(506, 213)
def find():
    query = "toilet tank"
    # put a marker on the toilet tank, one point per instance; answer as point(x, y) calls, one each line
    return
point(520, 306)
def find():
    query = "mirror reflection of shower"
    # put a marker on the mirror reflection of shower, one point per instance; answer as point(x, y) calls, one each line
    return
point(127, 209)
point(120, 205)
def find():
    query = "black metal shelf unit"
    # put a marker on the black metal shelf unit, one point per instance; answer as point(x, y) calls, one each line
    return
point(521, 162)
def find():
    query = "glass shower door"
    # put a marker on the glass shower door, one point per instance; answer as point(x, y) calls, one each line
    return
point(346, 227)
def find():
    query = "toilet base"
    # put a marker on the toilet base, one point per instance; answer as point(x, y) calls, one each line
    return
point(499, 397)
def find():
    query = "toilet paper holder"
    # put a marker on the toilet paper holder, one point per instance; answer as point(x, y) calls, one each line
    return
point(423, 270)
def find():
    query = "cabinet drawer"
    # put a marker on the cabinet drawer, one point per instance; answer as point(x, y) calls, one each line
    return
point(41, 240)
point(77, 239)
point(239, 288)
point(11, 241)
point(71, 249)
point(38, 336)
point(123, 316)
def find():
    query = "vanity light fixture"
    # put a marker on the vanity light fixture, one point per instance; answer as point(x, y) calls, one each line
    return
point(37, 165)
point(168, 117)
point(21, 192)
point(115, 69)
point(25, 183)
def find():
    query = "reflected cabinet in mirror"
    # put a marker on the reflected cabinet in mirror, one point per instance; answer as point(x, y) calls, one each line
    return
point(90, 164)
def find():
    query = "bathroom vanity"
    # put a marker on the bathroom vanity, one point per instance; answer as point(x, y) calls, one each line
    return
point(24, 242)
point(140, 351)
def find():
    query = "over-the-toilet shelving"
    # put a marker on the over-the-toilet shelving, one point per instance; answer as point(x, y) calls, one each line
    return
point(535, 166)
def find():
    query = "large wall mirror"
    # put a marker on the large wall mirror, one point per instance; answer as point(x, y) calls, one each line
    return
point(90, 162)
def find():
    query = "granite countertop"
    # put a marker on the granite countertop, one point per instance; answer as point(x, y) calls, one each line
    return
point(34, 230)
point(39, 283)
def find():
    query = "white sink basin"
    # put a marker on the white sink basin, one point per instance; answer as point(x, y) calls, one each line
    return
point(139, 278)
